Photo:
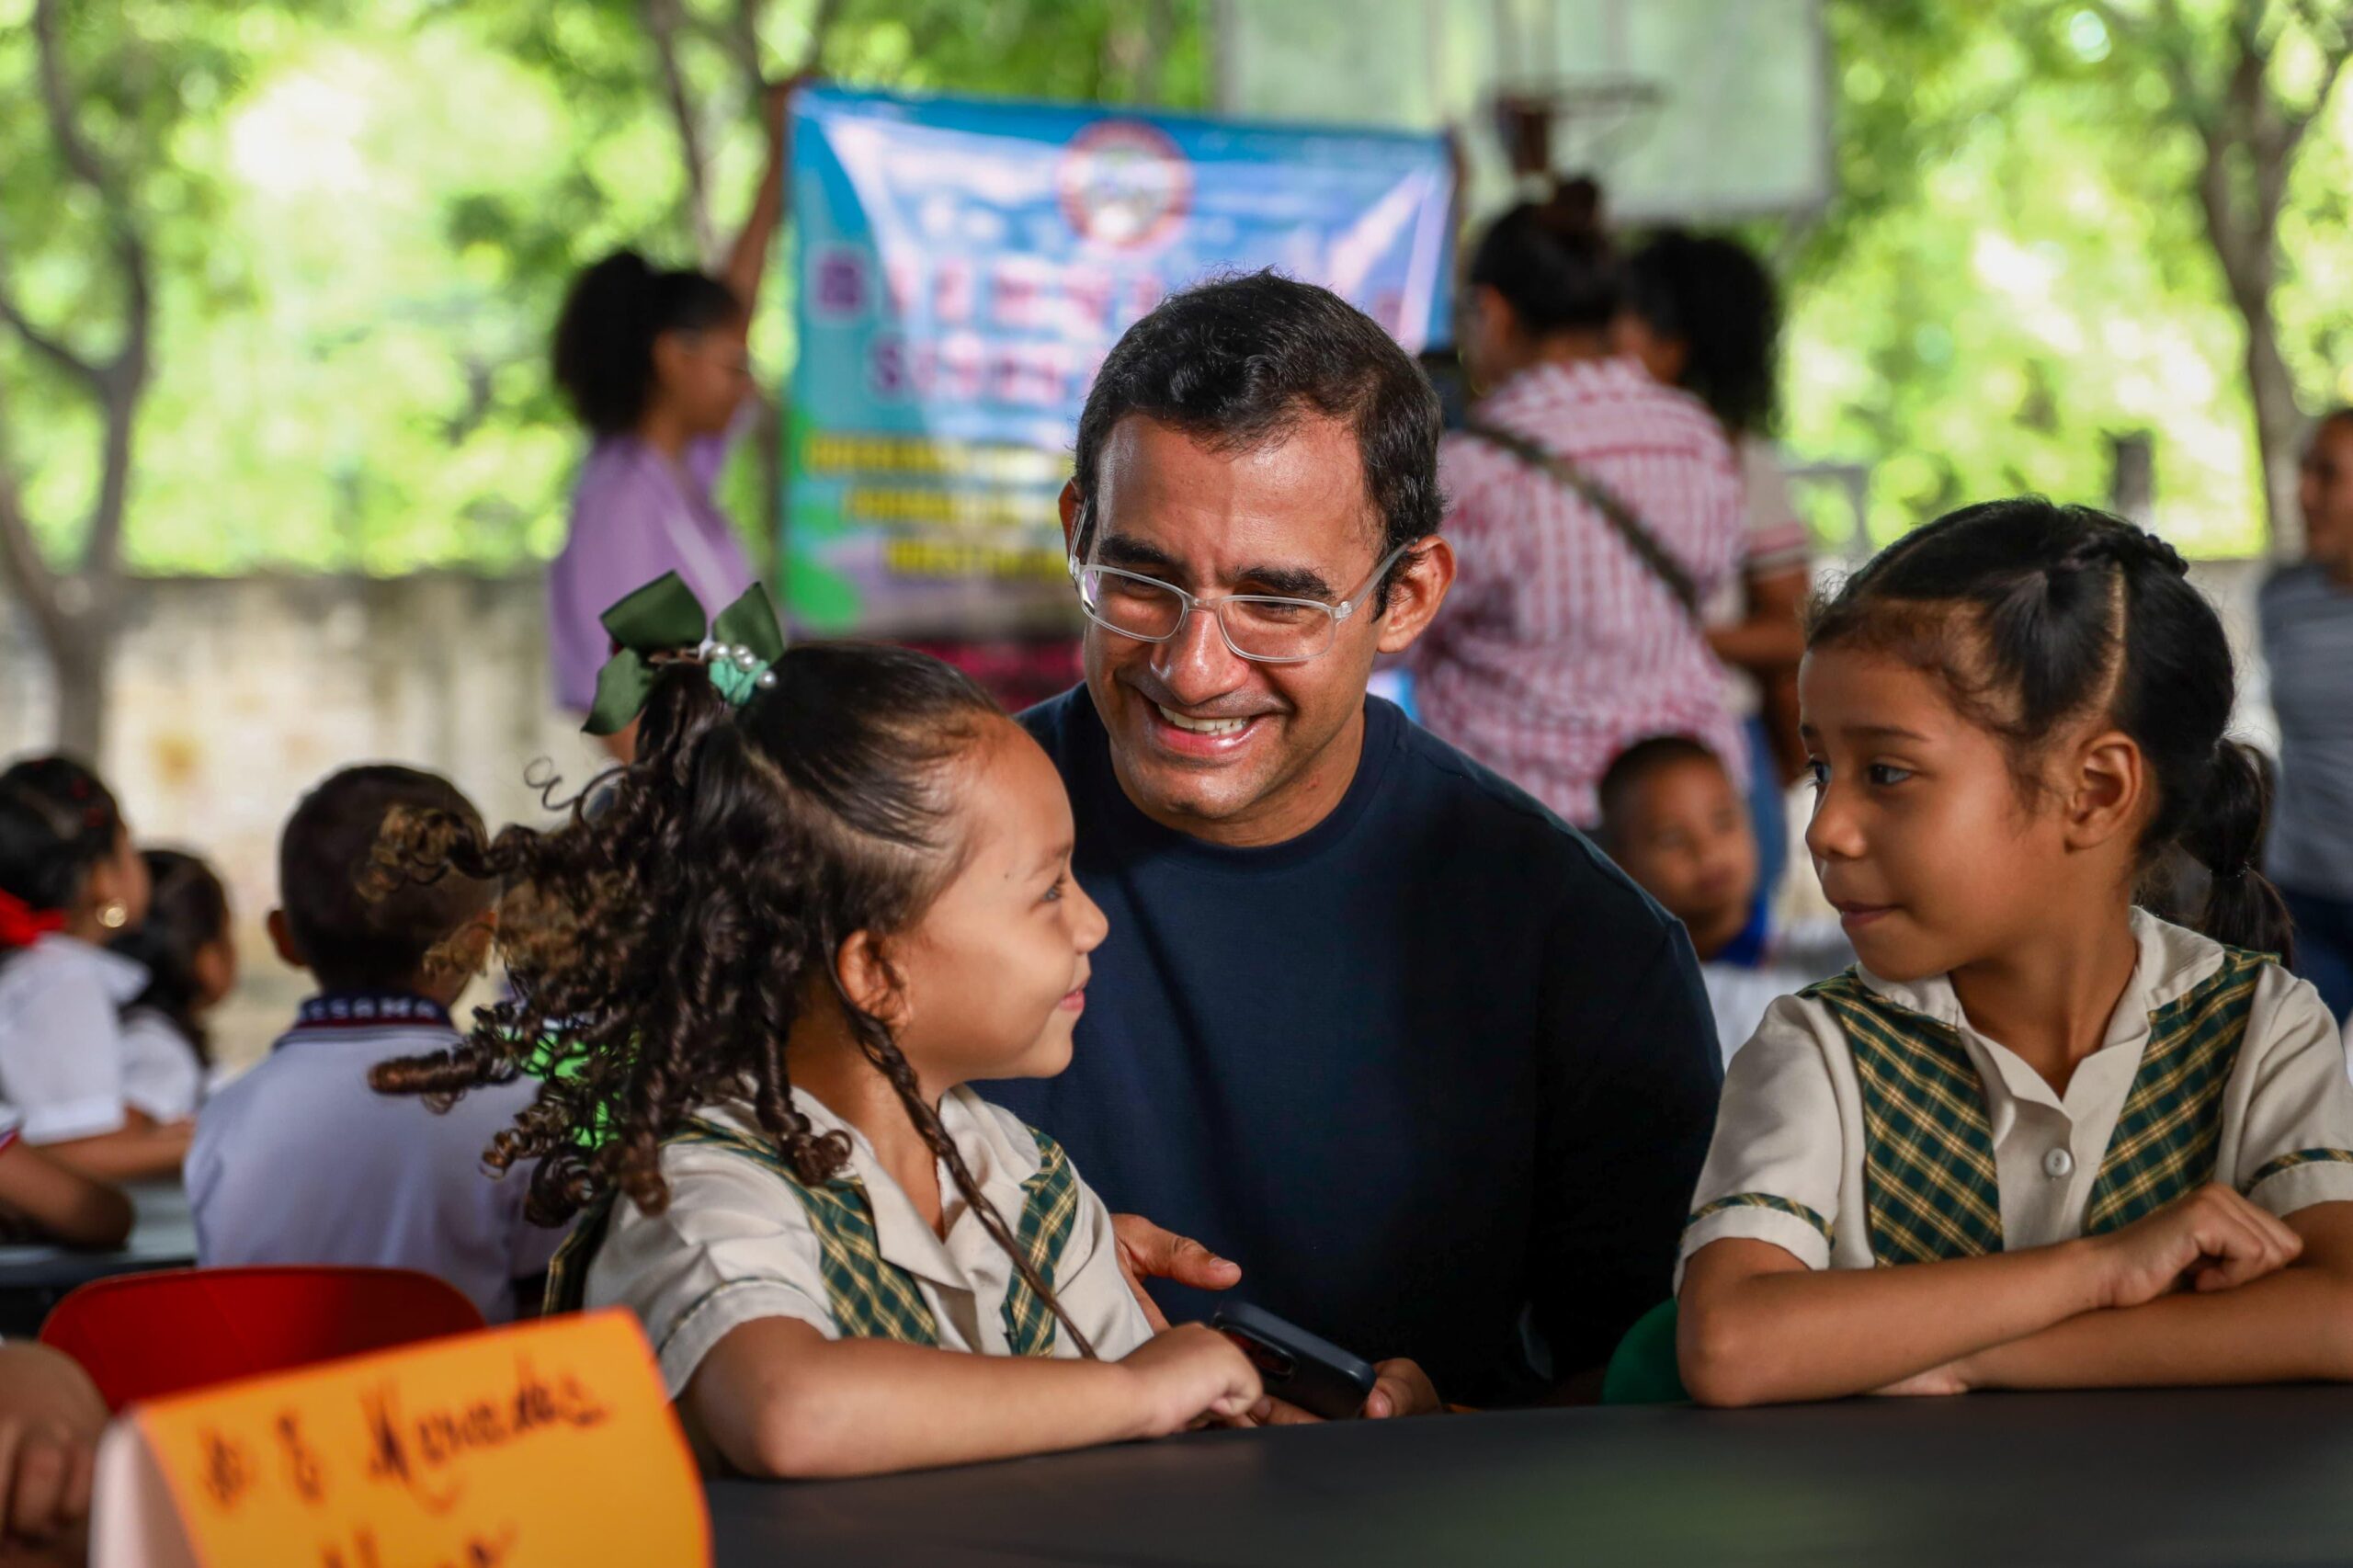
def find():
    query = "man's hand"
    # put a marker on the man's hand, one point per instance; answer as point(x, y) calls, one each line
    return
point(1398, 1388)
point(1147, 1252)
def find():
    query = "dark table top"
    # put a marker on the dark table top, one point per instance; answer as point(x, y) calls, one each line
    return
point(2173, 1477)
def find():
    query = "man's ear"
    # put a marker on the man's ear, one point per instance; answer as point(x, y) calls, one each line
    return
point(2109, 792)
point(1415, 597)
point(1073, 502)
point(864, 970)
point(281, 937)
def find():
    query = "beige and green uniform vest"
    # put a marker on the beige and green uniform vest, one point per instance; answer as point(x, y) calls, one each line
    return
point(1930, 1186)
point(868, 1297)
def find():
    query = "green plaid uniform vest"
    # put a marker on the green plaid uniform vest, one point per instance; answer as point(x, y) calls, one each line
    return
point(868, 1297)
point(1930, 1186)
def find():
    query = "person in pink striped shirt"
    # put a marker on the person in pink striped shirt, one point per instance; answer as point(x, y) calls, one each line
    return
point(1566, 640)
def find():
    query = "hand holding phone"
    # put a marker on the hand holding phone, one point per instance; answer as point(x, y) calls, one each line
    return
point(1296, 1366)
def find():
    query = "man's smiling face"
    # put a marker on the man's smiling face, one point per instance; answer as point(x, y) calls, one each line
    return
point(1227, 748)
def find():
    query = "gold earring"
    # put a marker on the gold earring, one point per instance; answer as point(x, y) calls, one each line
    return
point(114, 915)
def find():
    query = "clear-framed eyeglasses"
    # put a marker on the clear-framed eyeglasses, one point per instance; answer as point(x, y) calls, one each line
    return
point(1263, 628)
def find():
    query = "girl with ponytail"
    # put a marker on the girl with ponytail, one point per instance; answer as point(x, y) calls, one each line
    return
point(832, 888)
point(2038, 1137)
point(656, 364)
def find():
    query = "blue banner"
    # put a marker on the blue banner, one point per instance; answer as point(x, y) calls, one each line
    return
point(964, 268)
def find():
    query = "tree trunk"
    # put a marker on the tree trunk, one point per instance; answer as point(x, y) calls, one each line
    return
point(2278, 426)
point(80, 657)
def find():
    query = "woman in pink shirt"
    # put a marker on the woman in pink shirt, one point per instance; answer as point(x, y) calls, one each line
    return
point(656, 365)
point(1570, 635)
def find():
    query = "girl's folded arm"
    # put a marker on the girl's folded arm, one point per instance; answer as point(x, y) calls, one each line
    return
point(1758, 1327)
point(776, 1397)
point(141, 1150)
point(65, 1204)
point(2292, 1326)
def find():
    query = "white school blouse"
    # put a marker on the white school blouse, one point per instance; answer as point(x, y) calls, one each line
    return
point(1790, 1126)
point(734, 1245)
point(61, 1056)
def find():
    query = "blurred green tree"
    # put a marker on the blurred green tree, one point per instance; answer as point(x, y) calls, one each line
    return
point(2059, 222)
point(101, 224)
point(278, 278)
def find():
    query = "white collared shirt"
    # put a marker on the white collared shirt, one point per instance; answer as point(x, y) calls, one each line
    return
point(161, 1073)
point(1790, 1126)
point(735, 1245)
point(300, 1161)
point(62, 1058)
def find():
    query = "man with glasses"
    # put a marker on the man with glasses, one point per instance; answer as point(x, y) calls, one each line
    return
point(1371, 1023)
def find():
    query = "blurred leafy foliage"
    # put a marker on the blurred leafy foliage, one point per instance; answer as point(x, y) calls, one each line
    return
point(2017, 267)
point(364, 217)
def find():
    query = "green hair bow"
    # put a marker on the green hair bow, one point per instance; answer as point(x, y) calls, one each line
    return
point(664, 620)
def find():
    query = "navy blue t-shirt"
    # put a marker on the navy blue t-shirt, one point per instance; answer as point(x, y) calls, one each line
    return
point(1435, 1073)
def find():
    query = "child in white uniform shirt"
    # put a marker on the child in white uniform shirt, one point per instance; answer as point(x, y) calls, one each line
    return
point(70, 880)
point(298, 1161)
point(190, 957)
point(761, 976)
point(2036, 1137)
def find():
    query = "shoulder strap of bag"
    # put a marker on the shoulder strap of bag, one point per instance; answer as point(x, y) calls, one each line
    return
point(1621, 517)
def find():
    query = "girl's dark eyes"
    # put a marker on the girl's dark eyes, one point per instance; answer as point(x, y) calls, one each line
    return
point(1884, 775)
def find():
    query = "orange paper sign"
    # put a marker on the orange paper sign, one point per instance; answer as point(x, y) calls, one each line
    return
point(545, 1444)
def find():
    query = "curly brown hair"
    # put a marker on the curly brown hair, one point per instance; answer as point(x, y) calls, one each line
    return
point(661, 942)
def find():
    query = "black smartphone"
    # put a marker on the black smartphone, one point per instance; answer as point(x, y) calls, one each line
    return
point(1297, 1367)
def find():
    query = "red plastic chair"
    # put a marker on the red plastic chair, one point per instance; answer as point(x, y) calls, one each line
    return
point(145, 1335)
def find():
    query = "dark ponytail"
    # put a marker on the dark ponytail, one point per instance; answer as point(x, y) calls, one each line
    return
point(2035, 616)
point(604, 339)
point(1551, 262)
point(2225, 836)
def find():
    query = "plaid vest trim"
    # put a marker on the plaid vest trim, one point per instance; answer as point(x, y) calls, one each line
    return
point(1931, 1185)
point(567, 1287)
point(1761, 1200)
point(1049, 1214)
point(2290, 1161)
point(868, 1297)
point(2171, 1126)
point(1930, 1188)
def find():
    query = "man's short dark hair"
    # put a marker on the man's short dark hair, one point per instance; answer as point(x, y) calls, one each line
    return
point(353, 941)
point(1236, 363)
point(1630, 768)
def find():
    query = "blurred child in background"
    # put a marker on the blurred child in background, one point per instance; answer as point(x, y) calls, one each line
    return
point(70, 882)
point(191, 962)
point(1672, 817)
point(298, 1162)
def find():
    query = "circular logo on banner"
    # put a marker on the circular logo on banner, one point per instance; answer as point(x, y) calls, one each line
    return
point(1124, 184)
